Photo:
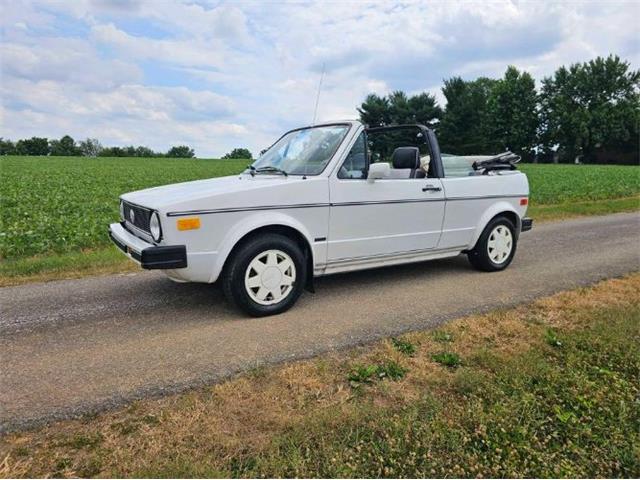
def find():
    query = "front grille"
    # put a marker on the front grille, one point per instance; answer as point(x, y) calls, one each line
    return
point(142, 216)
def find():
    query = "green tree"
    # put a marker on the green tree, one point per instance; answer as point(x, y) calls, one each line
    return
point(33, 146)
point(375, 111)
point(143, 151)
point(399, 111)
point(181, 151)
point(90, 147)
point(240, 153)
point(423, 109)
point(465, 126)
point(591, 105)
point(112, 152)
point(7, 147)
point(65, 147)
point(397, 108)
point(513, 112)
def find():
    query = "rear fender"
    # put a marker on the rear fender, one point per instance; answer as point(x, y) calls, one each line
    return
point(491, 212)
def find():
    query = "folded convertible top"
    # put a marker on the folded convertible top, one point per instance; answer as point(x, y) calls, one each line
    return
point(504, 161)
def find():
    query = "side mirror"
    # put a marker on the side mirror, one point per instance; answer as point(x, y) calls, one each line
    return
point(378, 170)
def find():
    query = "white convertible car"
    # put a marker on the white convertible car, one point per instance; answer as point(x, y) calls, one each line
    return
point(325, 199)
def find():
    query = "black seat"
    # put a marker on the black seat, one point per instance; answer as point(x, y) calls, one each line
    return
point(408, 158)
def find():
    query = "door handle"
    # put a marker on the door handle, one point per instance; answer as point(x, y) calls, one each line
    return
point(431, 188)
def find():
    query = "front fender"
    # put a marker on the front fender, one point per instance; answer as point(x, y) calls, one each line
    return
point(248, 225)
point(495, 209)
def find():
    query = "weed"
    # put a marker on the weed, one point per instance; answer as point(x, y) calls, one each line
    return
point(126, 427)
point(442, 336)
point(151, 419)
point(365, 374)
point(21, 451)
point(90, 467)
point(259, 371)
point(85, 441)
point(362, 374)
point(391, 370)
point(403, 346)
point(448, 359)
point(551, 337)
point(63, 463)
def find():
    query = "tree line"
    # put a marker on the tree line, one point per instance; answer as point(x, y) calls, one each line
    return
point(91, 147)
point(588, 112)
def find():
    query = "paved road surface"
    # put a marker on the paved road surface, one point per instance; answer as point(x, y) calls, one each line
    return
point(77, 346)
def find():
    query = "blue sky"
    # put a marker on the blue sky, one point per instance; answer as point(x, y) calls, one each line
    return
point(217, 75)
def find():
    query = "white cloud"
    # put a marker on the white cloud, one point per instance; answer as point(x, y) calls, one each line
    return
point(237, 74)
point(176, 52)
point(67, 61)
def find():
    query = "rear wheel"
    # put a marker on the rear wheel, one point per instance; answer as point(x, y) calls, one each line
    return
point(496, 246)
point(266, 275)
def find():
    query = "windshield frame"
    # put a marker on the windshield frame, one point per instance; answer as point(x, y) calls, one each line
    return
point(320, 125)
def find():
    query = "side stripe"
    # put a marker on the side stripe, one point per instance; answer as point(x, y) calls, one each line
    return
point(341, 204)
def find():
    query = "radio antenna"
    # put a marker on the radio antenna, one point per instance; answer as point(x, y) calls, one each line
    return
point(315, 110)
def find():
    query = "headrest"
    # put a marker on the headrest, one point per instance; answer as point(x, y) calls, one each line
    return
point(406, 157)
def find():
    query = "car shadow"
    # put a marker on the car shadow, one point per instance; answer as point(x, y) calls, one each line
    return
point(152, 299)
point(191, 297)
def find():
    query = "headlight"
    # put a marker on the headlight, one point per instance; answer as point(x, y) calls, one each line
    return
point(154, 227)
point(121, 210)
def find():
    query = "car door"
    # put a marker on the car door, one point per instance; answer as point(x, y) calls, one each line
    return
point(384, 217)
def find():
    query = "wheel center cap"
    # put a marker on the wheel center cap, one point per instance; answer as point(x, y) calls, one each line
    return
point(271, 277)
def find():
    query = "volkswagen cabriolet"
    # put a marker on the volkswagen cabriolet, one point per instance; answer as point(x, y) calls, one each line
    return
point(325, 199)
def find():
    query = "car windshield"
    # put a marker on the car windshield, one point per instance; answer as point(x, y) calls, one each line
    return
point(302, 152)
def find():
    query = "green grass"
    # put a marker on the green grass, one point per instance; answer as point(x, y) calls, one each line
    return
point(554, 412)
point(59, 206)
point(64, 265)
point(579, 209)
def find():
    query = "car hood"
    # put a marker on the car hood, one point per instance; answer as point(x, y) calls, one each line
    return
point(232, 191)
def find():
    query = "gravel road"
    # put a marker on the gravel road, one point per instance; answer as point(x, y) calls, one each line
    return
point(77, 346)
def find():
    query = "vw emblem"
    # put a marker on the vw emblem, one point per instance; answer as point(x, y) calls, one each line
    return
point(132, 216)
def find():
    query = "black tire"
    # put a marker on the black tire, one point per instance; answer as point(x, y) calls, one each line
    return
point(233, 276)
point(479, 257)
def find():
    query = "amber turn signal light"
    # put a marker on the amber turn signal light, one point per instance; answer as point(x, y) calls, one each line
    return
point(191, 223)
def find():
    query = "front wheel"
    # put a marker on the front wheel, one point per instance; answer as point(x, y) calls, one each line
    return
point(496, 246)
point(266, 275)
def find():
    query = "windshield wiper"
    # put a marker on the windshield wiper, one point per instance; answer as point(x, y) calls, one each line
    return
point(270, 169)
point(252, 170)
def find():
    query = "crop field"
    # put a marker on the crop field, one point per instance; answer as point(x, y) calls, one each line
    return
point(557, 184)
point(61, 204)
point(64, 204)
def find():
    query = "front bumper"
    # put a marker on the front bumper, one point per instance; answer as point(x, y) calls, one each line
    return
point(527, 224)
point(146, 254)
